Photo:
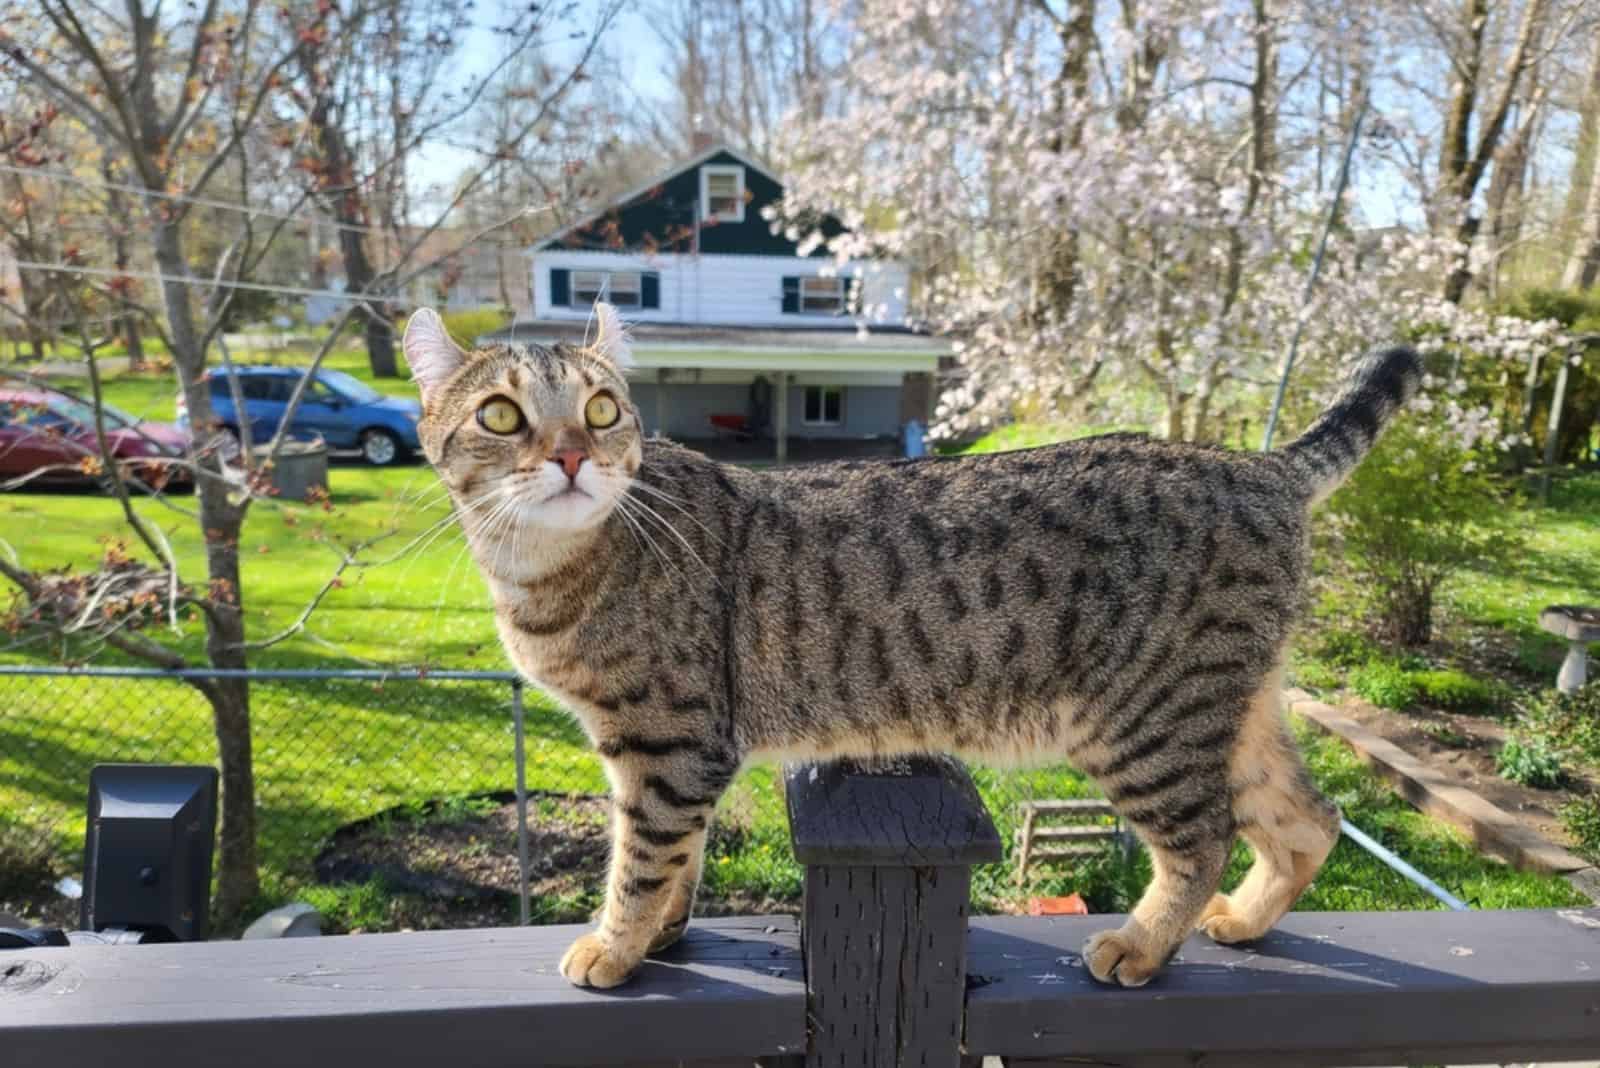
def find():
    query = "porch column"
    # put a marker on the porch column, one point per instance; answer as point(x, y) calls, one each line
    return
point(661, 403)
point(781, 416)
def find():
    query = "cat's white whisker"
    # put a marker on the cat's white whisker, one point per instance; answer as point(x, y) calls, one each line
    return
point(638, 525)
point(675, 502)
point(659, 518)
point(431, 532)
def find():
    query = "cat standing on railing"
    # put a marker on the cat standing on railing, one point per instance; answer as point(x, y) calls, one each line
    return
point(1119, 602)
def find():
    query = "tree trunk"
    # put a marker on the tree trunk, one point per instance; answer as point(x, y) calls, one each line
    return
point(1583, 263)
point(1507, 193)
point(1177, 402)
point(1583, 204)
point(133, 341)
point(1263, 144)
point(1461, 166)
point(1200, 421)
point(1455, 147)
point(1583, 266)
point(33, 304)
point(349, 212)
point(1460, 276)
point(1059, 274)
point(1410, 615)
point(117, 231)
point(238, 881)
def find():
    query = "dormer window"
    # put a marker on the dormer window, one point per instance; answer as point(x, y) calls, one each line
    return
point(722, 193)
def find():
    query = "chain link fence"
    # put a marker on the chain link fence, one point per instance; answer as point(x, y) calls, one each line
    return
point(404, 785)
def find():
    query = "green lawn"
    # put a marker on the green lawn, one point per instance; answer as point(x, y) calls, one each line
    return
point(329, 753)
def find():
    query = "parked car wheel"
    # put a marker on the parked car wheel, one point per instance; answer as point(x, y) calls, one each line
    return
point(380, 448)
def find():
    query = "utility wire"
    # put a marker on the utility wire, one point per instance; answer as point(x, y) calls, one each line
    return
point(1316, 269)
point(157, 276)
point(183, 198)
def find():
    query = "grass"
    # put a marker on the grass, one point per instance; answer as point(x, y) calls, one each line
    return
point(329, 753)
point(1031, 435)
point(1560, 564)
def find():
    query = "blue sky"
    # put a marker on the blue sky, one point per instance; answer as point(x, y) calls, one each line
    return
point(636, 47)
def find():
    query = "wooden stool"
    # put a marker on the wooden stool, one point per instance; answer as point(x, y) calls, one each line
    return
point(1084, 834)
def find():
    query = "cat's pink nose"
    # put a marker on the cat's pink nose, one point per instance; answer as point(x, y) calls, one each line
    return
point(570, 460)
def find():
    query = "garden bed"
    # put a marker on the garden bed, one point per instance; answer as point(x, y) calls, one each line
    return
point(1466, 748)
point(453, 863)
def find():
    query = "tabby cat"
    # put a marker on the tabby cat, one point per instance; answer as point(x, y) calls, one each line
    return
point(1119, 602)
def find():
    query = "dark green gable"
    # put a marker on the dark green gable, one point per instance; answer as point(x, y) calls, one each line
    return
point(663, 219)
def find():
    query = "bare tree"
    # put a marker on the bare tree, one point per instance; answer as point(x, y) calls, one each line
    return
point(737, 67)
point(182, 101)
point(372, 80)
point(1478, 104)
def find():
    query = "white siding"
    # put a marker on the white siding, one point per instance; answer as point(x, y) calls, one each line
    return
point(722, 290)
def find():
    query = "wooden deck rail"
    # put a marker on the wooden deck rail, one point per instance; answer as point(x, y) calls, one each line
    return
point(889, 971)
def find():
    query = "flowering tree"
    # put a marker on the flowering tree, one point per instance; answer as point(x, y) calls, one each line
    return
point(1102, 198)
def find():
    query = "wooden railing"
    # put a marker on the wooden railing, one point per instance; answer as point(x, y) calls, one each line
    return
point(885, 968)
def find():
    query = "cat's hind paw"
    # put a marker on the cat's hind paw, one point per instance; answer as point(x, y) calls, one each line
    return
point(669, 934)
point(1115, 958)
point(590, 962)
point(1222, 922)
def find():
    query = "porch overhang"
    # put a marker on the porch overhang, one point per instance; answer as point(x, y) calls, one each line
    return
point(866, 361)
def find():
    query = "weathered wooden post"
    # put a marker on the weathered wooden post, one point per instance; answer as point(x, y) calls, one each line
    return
point(888, 850)
point(1552, 437)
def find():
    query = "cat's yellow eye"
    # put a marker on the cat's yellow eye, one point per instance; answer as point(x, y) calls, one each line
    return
point(601, 411)
point(500, 416)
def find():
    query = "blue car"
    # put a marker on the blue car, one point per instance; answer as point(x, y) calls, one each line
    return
point(343, 411)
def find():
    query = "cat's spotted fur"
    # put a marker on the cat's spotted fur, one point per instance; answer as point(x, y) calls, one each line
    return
point(1118, 602)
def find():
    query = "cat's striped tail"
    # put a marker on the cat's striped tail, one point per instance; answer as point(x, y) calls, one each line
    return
point(1326, 453)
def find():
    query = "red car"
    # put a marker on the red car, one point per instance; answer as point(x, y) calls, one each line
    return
point(53, 434)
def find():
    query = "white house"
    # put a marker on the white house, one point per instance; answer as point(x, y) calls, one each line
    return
point(729, 320)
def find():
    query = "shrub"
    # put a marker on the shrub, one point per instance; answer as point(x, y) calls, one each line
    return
point(1418, 510)
point(1346, 648)
point(1386, 684)
point(468, 326)
point(1446, 735)
point(1539, 655)
point(1581, 818)
point(1316, 675)
point(1571, 720)
point(1530, 762)
point(1456, 690)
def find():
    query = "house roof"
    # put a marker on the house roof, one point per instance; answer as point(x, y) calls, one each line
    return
point(631, 195)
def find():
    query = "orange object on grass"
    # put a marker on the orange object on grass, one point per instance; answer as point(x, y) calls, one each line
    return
point(1071, 905)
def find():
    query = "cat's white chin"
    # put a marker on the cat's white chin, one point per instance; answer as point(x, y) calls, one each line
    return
point(550, 501)
point(568, 509)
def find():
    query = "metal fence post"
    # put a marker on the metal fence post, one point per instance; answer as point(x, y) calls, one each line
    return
point(521, 757)
point(888, 851)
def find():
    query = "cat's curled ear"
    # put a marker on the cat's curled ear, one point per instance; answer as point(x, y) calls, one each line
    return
point(430, 351)
point(611, 337)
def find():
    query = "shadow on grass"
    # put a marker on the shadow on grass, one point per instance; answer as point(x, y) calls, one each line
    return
point(1549, 567)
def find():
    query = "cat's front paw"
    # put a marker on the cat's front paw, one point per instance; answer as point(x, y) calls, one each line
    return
point(590, 962)
point(1116, 958)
